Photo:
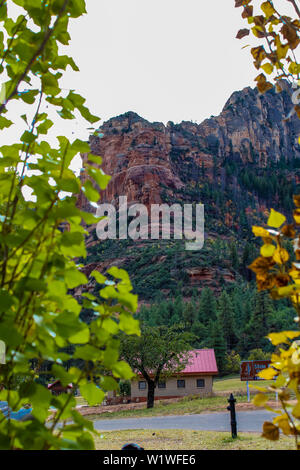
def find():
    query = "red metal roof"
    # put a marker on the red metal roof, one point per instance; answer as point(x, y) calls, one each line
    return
point(202, 361)
point(58, 383)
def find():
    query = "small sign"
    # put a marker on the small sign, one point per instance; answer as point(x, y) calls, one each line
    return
point(2, 352)
point(250, 369)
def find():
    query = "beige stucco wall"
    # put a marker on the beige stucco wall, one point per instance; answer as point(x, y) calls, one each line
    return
point(171, 387)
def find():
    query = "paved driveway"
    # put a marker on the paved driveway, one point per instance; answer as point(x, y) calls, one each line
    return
point(246, 421)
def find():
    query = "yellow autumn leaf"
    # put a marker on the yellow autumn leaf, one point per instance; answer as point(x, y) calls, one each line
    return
point(296, 215)
point(296, 300)
point(260, 232)
point(267, 250)
point(268, 9)
point(294, 273)
point(276, 219)
point(270, 431)
point(256, 387)
point(280, 381)
point(277, 338)
point(267, 374)
point(295, 358)
point(283, 422)
point(280, 256)
point(287, 290)
point(296, 411)
point(282, 337)
point(268, 68)
point(260, 399)
point(292, 334)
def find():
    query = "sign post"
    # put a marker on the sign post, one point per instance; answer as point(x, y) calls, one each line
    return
point(249, 371)
point(248, 392)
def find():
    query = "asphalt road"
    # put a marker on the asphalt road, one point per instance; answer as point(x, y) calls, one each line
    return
point(246, 421)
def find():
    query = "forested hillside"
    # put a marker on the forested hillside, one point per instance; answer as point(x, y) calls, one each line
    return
point(239, 165)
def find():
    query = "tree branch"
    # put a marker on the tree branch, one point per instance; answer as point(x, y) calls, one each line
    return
point(36, 54)
point(293, 2)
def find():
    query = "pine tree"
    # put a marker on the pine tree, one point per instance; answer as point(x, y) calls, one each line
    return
point(218, 343)
point(207, 306)
point(247, 258)
point(234, 258)
point(258, 326)
point(189, 314)
point(226, 320)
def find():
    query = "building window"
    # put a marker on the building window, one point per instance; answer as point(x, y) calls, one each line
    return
point(161, 384)
point(200, 383)
point(180, 383)
point(142, 385)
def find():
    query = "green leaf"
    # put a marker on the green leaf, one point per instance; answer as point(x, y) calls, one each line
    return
point(77, 8)
point(90, 192)
point(40, 399)
point(81, 146)
point(3, 11)
point(87, 352)
point(129, 325)
point(81, 337)
point(99, 277)
point(122, 370)
point(29, 96)
point(45, 126)
point(75, 278)
point(99, 177)
point(28, 137)
point(6, 301)
point(95, 159)
point(60, 373)
point(85, 113)
point(4, 123)
point(92, 394)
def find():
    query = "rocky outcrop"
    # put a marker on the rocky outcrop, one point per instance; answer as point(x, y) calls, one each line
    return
point(154, 163)
point(143, 157)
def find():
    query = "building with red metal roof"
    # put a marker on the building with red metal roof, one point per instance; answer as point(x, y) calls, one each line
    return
point(195, 379)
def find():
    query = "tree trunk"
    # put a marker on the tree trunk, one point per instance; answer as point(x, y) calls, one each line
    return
point(151, 392)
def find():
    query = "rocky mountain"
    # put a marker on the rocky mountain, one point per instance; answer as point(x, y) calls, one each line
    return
point(238, 164)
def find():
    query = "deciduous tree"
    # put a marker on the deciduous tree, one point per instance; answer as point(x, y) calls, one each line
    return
point(158, 353)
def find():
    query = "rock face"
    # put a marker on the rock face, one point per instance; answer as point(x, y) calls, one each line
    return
point(143, 157)
point(238, 164)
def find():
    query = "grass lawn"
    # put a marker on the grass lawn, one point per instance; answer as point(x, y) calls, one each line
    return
point(234, 384)
point(189, 440)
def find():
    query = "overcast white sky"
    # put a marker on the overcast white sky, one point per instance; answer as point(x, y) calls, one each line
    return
point(164, 59)
point(167, 60)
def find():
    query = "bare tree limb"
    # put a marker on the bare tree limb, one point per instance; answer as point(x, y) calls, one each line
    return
point(294, 3)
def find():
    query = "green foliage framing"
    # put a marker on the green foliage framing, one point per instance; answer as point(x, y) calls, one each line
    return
point(39, 319)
